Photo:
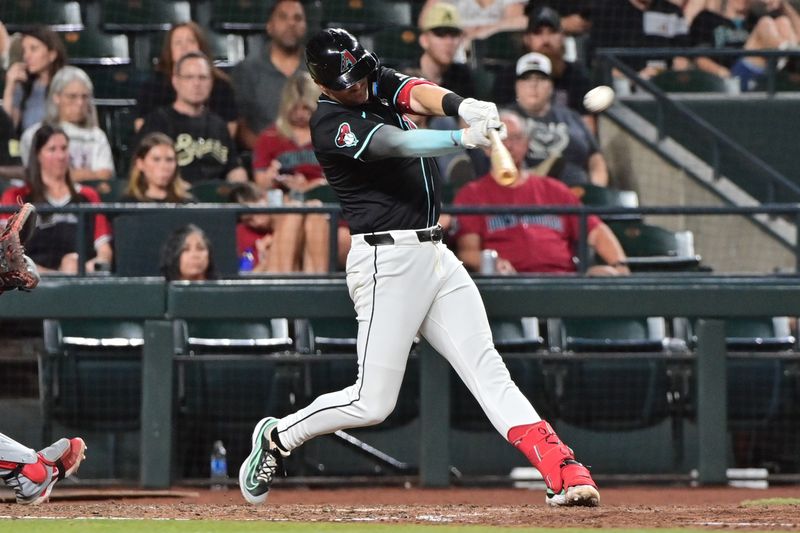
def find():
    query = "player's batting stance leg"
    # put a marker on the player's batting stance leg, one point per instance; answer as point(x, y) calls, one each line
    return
point(400, 276)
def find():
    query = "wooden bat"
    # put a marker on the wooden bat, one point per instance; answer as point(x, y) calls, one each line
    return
point(503, 169)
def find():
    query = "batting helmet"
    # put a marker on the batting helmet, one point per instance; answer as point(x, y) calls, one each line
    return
point(337, 60)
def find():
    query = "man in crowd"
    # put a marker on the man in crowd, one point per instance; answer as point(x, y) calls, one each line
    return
point(259, 79)
point(530, 243)
point(440, 38)
point(203, 143)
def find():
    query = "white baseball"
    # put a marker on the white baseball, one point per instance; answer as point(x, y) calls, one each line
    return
point(599, 99)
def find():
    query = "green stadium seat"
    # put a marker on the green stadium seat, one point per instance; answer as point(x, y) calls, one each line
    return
point(142, 15)
point(612, 335)
point(365, 16)
point(652, 248)
point(683, 81)
point(59, 15)
point(501, 48)
point(115, 82)
point(397, 47)
point(117, 122)
point(323, 193)
point(596, 196)
point(94, 48)
point(784, 82)
point(748, 334)
point(227, 381)
point(227, 49)
point(91, 375)
point(211, 191)
point(109, 190)
point(240, 16)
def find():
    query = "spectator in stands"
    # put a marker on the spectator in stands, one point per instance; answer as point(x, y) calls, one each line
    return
point(482, 18)
point(54, 245)
point(641, 24)
point(560, 144)
point(33, 474)
point(27, 81)
point(576, 15)
point(266, 242)
point(440, 39)
point(284, 158)
point(733, 24)
point(187, 255)
point(205, 148)
point(570, 79)
point(530, 243)
point(258, 79)
point(158, 91)
point(154, 175)
point(70, 106)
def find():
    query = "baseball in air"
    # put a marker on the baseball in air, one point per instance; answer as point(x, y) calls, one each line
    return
point(599, 99)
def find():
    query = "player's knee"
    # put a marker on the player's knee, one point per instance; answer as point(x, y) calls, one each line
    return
point(377, 412)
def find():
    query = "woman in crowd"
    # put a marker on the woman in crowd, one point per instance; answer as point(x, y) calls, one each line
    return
point(158, 90)
point(53, 246)
point(70, 105)
point(27, 81)
point(187, 255)
point(283, 157)
point(154, 175)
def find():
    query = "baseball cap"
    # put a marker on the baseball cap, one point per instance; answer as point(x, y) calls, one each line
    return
point(534, 62)
point(441, 15)
point(544, 16)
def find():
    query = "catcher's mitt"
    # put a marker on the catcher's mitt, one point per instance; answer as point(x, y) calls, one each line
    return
point(17, 271)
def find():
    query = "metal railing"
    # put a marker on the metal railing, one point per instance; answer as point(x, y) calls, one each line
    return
point(790, 212)
point(612, 58)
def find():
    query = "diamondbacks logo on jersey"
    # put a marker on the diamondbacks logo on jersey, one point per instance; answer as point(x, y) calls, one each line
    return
point(345, 138)
point(348, 60)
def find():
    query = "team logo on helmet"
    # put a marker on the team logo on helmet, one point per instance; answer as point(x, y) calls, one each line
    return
point(345, 138)
point(348, 60)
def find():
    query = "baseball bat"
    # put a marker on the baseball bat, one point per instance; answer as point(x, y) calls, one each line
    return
point(503, 169)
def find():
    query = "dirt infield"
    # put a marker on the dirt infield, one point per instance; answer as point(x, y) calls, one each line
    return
point(621, 507)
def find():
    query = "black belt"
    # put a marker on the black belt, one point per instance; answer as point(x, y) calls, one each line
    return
point(424, 235)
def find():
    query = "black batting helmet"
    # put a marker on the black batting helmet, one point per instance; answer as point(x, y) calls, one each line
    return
point(337, 60)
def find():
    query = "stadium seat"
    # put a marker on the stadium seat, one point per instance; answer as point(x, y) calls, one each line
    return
point(501, 48)
point(612, 335)
point(241, 16)
point(683, 81)
point(749, 334)
point(94, 48)
point(115, 82)
point(212, 191)
point(323, 193)
point(227, 381)
point(91, 375)
point(138, 239)
point(365, 16)
point(110, 190)
point(784, 82)
point(227, 49)
point(142, 15)
point(397, 47)
point(117, 122)
point(59, 15)
point(652, 248)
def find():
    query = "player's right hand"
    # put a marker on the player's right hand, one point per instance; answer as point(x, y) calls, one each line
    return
point(476, 135)
point(474, 111)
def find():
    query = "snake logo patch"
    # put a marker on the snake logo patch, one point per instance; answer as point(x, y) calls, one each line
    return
point(345, 138)
point(348, 60)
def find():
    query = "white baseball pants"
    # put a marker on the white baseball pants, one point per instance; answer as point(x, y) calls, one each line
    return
point(399, 290)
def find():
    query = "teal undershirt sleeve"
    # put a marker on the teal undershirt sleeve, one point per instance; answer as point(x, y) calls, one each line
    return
point(389, 141)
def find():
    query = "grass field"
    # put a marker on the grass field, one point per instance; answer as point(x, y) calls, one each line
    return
point(212, 526)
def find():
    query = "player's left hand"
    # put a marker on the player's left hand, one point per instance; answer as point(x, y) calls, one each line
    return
point(473, 111)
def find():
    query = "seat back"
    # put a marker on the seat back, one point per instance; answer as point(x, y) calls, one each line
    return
point(138, 239)
point(142, 15)
point(90, 47)
point(110, 190)
point(365, 16)
point(652, 248)
point(57, 14)
point(501, 48)
point(747, 334)
point(397, 47)
point(212, 191)
point(682, 81)
point(333, 335)
point(521, 335)
point(613, 334)
point(211, 336)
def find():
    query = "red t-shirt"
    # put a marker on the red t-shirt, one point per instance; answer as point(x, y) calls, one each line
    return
point(272, 145)
point(531, 243)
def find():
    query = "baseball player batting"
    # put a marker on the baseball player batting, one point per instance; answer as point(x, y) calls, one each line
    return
point(400, 276)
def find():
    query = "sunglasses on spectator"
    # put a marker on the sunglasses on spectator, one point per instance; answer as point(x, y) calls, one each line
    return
point(446, 32)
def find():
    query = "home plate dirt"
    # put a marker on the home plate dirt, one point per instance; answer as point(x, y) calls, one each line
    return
point(636, 507)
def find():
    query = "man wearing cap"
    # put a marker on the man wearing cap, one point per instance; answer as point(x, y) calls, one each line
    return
point(561, 144)
point(440, 37)
point(570, 80)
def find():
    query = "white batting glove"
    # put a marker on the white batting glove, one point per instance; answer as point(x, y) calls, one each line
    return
point(472, 111)
point(476, 135)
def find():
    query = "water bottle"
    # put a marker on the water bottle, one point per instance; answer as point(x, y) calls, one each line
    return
point(219, 467)
point(247, 260)
point(489, 261)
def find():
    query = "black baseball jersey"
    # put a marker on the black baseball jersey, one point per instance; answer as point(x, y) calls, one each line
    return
point(375, 195)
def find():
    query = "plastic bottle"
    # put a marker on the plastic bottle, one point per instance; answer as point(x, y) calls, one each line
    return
point(219, 466)
point(247, 260)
